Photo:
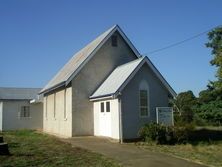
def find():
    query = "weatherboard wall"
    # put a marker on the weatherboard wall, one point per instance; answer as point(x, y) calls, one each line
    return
point(89, 79)
point(158, 97)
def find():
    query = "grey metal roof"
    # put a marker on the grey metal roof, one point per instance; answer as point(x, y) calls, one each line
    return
point(119, 78)
point(18, 93)
point(80, 58)
point(114, 81)
point(73, 64)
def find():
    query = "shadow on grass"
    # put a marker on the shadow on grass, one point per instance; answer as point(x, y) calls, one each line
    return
point(205, 135)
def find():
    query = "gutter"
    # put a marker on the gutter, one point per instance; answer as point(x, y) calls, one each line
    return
point(52, 88)
point(101, 98)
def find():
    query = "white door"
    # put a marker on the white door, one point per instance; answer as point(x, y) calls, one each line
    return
point(105, 119)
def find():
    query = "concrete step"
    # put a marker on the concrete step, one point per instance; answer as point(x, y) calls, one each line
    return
point(4, 149)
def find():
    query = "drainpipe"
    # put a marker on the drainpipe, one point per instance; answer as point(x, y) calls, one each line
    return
point(120, 121)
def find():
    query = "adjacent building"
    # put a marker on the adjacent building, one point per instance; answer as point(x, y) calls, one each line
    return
point(20, 108)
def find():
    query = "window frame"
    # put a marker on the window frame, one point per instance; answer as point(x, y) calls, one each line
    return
point(144, 107)
point(102, 107)
point(108, 102)
point(24, 113)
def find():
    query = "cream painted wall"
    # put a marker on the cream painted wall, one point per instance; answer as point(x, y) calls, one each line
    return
point(55, 106)
point(114, 110)
point(11, 119)
point(1, 110)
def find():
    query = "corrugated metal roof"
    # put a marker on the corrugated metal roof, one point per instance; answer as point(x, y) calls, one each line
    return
point(74, 63)
point(116, 79)
point(18, 93)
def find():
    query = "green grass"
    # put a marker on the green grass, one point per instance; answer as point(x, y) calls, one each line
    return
point(31, 148)
point(204, 152)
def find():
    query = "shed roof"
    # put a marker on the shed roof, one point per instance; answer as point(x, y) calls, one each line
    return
point(119, 78)
point(64, 76)
point(18, 93)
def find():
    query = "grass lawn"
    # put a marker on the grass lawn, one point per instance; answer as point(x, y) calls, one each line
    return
point(31, 148)
point(205, 153)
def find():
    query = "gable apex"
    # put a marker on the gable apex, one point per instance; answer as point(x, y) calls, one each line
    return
point(78, 61)
point(121, 76)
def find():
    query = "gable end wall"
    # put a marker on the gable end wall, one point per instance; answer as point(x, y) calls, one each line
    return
point(158, 97)
point(89, 79)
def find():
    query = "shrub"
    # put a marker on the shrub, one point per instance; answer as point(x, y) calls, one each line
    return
point(165, 134)
point(182, 133)
point(149, 131)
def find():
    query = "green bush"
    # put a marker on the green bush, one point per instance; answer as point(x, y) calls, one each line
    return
point(149, 131)
point(165, 134)
point(182, 133)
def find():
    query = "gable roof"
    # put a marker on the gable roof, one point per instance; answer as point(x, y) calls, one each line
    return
point(75, 64)
point(120, 77)
point(18, 93)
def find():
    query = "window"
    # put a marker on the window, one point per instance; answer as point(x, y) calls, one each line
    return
point(25, 112)
point(143, 103)
point(102, 107)
point(107, 106)
point(114, 41)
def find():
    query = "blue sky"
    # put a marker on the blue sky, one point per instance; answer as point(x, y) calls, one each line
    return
point(37, 37)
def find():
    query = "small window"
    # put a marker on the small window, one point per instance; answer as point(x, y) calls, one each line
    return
point(143, 103)
point(114, 41)
point(102, 107)
point(25, 112)
point(107, 106)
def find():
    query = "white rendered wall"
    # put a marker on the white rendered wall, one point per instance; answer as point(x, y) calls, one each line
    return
point(114, 109)
point(57, 123)
point(11, 119)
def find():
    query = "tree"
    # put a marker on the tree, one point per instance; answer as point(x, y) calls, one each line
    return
point(215, 43)
point(184, 101)
point(183, 104)
point(210, 100)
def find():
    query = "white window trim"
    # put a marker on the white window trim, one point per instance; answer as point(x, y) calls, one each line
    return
point(148, 104)
point(109, 106)
point(104, 107)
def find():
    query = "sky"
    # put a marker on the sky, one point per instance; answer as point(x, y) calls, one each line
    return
point(37, 37)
